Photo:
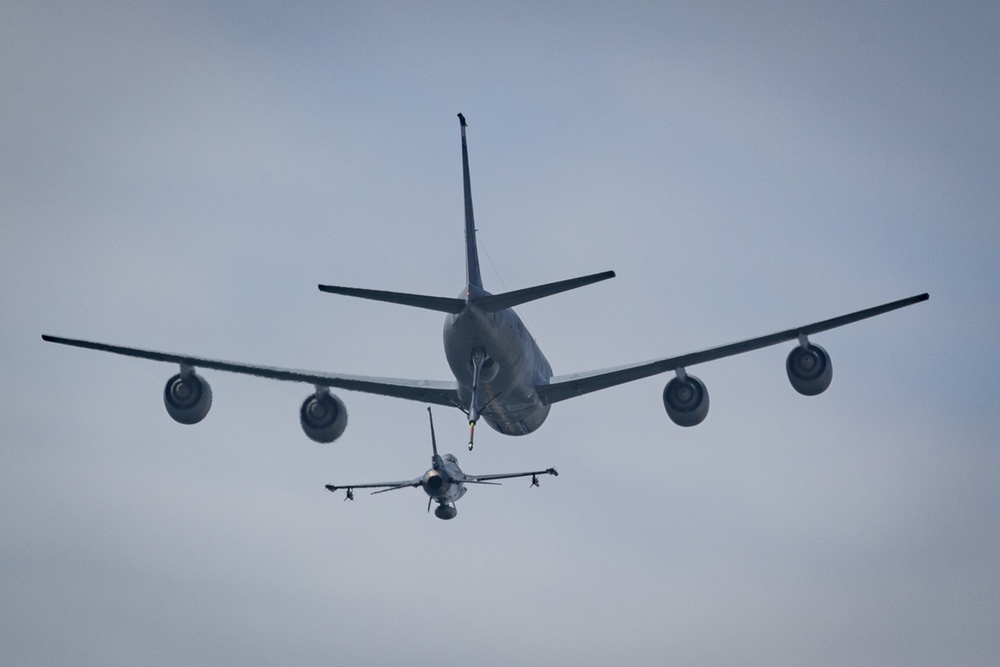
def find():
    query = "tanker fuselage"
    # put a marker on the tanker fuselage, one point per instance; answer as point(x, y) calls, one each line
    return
point(514, 366)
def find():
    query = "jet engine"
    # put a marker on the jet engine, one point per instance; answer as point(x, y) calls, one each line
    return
point(809, 369)
point(187, 397)
point(323, 417)
point(434, 484)
point(445, 512)
point(686, 400)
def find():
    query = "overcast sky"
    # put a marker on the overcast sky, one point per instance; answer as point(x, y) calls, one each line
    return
point(180, 176)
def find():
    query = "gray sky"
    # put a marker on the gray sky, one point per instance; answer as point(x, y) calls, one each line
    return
point(180, 176)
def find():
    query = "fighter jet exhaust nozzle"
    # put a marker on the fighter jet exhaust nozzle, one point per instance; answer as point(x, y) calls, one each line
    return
point(435, 484)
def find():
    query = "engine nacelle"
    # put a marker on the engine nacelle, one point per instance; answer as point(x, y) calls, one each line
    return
point(323, 417)
point(809, 369)
point(686, 400)
point(445, 512)
point(187, 398)
point(434, 484)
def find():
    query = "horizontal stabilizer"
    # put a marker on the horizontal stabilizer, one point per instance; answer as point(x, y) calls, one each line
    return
point(506, 300)
point(440, 303)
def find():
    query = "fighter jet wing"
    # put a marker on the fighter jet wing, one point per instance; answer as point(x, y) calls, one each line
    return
point(383, 486)
point(485, 479)
point(562, 387)
point(426, 391)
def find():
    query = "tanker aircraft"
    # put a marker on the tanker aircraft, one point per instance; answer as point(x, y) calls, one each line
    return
point(444, 482)
point(500, 373)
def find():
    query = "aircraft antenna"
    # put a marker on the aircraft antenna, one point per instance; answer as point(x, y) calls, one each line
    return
point(499, 277)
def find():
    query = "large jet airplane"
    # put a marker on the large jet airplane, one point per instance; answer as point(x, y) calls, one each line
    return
point(444, 482)
point(500, 373)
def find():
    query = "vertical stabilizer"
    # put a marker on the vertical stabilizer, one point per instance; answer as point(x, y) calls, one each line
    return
point(473, 276)
point(435, 459)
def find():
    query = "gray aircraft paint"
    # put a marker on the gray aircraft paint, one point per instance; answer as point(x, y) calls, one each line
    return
point(510, 403)
point(516, 386)
point(444, 483)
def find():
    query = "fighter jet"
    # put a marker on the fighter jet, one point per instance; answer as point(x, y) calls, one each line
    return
point(444, 483)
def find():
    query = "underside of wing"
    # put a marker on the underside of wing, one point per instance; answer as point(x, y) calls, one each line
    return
point(486, 478)
point(560, 388)
point(426, 391)
point(438, 303)
point(381, 486)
